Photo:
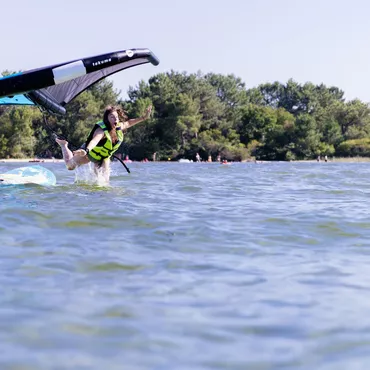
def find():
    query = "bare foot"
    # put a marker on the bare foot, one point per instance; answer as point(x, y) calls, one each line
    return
point(61, 142)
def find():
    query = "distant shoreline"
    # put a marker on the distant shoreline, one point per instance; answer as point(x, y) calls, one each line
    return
point(330, 160)
point(339, 160)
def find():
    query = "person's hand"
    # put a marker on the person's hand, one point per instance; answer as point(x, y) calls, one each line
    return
point(79, 152)
point(148, 111)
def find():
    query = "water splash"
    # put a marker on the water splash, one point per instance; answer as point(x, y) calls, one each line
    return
point(90, 175)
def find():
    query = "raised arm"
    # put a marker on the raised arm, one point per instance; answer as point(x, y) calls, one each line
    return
point(134, 121)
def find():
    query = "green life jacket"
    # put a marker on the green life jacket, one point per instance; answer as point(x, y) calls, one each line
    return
point(105, 147)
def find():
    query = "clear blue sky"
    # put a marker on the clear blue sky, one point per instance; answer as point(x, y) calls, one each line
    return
point(322, 41)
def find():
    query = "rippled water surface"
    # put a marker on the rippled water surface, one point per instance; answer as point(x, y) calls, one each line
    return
point(188, 266)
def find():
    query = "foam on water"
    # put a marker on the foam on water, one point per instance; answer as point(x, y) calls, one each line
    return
point(88, 175)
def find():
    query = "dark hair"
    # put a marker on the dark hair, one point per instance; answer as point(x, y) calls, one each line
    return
point(121, 115)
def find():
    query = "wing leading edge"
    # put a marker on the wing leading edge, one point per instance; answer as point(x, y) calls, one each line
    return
point(55, 86)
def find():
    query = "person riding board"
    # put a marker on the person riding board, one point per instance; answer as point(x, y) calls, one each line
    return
point(103, 141)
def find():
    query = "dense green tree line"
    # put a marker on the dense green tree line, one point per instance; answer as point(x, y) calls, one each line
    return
point(211, 114)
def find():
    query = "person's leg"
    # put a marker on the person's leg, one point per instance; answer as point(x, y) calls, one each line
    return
point(106, 169)
point(103, 169)
point(71, 161)
point(67, 154)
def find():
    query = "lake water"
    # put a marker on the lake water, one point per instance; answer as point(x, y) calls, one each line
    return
point(188, 266)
